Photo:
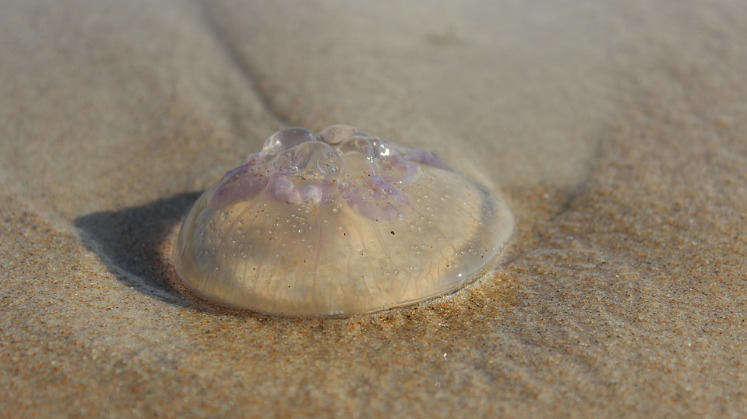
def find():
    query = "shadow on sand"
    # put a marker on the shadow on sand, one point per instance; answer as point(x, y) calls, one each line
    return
point(132, 242)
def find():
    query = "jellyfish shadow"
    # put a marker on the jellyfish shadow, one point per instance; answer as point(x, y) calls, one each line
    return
point(131, 242)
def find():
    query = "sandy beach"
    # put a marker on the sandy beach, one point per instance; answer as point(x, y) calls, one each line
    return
point(615, 131)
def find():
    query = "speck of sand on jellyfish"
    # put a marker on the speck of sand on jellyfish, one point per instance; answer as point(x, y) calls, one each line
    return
point(338, 223)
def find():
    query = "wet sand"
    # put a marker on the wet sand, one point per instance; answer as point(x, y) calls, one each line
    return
point(615, 132)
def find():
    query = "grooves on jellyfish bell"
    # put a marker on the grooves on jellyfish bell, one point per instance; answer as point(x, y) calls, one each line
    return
point(338, 223)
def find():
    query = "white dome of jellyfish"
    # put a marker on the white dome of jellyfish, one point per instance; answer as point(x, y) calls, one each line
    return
point(335, 224)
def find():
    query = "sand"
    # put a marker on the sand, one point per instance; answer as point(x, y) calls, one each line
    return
point(614, 130)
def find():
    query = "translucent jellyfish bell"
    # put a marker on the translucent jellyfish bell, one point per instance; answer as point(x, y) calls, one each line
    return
point(335, 224)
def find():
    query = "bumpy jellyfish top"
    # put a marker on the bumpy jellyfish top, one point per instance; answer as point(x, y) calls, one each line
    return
point(337, 223)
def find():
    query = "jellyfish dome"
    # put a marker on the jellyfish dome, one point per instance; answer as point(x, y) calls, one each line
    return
point(338, 223)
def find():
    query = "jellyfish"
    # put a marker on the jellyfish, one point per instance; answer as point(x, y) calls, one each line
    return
point(338, 223)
